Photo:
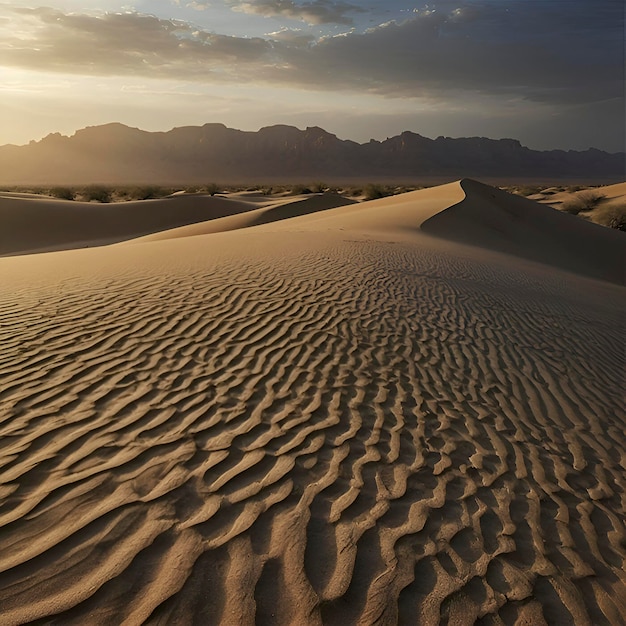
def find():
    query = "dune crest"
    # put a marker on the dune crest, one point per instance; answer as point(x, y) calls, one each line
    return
point(493, 219)
point(402, 214)
point(331, 419)
point(275, 211)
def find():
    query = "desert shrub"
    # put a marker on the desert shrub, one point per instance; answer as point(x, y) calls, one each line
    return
point(260, 189)
point(318, 187)
point(611, 216)
point(146, 192)
point(64, 193)
point(405, 189)
point(298, 190)
point(583, 201)
point(97, 193)
point(591, 198)
point(527, 190)
point(212, 189)
point(373, 192)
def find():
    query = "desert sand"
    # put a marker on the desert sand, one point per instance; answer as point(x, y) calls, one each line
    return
point(403, 411)
point(613, 193)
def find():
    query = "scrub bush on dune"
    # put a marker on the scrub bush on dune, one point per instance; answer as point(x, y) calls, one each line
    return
point(583, 201)
point(212, 188)
point(298, 190)
point(611, 216)
point(526, 190)
point(148, 192)
point(63, 193)
point(97, 193)
point(373, 192)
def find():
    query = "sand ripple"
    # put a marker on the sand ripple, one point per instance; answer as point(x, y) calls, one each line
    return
point(357, 433)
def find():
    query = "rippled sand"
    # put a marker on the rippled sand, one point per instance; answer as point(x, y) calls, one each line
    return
point(365, 415)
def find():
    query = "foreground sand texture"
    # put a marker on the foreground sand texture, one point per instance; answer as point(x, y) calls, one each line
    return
point(366, 415)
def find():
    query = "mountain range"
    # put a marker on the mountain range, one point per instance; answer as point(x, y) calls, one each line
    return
point(117, 154)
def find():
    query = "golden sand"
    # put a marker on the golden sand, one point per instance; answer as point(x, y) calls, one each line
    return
point(405, 411)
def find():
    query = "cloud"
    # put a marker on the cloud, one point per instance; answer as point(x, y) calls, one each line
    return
point(552, 52)
point(125, 43)
point(312, 12)
point(559, 53)
point(292, 36)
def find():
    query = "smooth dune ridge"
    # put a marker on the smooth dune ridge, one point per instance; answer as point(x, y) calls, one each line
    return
point(273, 212)
point(330, 419)
point(496, 220)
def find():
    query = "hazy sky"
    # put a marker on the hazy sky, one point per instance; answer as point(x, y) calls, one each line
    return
point(547, 72)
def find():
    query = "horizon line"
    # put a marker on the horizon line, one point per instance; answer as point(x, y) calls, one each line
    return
point(371, 140)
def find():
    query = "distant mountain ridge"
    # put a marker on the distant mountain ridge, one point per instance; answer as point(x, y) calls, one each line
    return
point(118, 154)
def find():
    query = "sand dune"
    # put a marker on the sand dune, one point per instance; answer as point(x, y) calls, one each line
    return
point(610, 192)
point(613, 191)
point(332, 419)
point(273, 212)
point(496, 220)
point(36, 224)
point(397, 215)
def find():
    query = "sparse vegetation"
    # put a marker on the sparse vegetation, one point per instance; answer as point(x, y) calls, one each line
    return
point(298, 190)
point(374, 191)
point(611, 216)
point(526, 190)
point(97, 193)
point(63, 193)
point(212, 189)
point(583, 201)
point(146, 193)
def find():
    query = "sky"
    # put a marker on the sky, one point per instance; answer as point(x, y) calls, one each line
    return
point(547, 72)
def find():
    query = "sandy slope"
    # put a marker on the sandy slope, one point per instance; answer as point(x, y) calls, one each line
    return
point(494, 219)
point(273, 212)
point(333, 419)
point(613, 191)
point(610, 192)
point(36, 224)
point(32, 223)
